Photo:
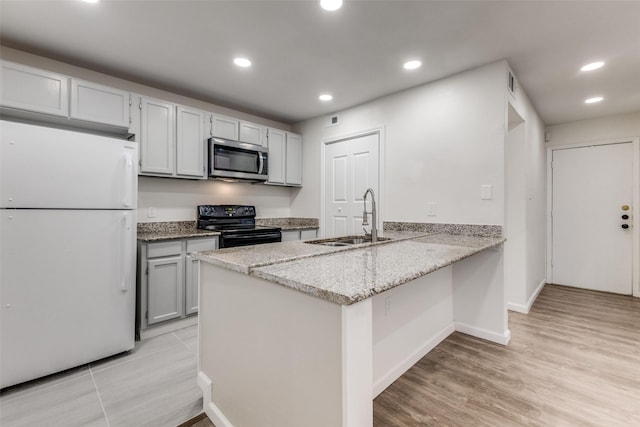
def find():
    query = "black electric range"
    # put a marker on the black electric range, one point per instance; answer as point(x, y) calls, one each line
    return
point(236, 224)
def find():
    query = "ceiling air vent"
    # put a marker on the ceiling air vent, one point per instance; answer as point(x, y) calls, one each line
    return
point(511, 84)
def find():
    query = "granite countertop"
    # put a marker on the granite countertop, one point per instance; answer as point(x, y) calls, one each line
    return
point(172, 230)
point(244, 259)
point(290, 224)
point(346, 275)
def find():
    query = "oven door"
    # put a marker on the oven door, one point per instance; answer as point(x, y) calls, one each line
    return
point(237, 160)
point(242, 239)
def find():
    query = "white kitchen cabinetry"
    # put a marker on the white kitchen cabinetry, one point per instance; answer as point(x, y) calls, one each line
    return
point(285, 157)
point(251, 133)
point(172, 139)
point(39, 95)
point(165, 291)
point(293, 175)
point(32, 89)
point(291, 235)
point(223, 126)
point(191, 143)
point(99, 104)
point(276, 142)
point(168, 278)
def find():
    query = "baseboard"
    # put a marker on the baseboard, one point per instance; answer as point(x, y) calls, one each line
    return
point(381, 384)
point(172, 326)
point(213, 412)
point(525, 308)
point(485, 334)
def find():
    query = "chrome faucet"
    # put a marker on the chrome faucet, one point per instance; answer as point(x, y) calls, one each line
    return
point(374, 227)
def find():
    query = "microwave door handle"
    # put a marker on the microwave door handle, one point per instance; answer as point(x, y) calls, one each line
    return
point(260, 163)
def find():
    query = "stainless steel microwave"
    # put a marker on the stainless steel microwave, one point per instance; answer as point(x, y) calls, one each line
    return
point(236, 160)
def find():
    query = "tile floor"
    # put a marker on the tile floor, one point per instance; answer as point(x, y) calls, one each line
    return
point(152, 385)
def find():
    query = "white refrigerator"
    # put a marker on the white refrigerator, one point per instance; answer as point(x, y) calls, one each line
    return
point(67, 249)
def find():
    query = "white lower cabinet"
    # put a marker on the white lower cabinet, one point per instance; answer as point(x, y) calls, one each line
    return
point(168, 278)
point(291, 235)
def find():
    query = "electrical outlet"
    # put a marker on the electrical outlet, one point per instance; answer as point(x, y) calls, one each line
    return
point(151, 212)
point(486, 192)
point(432, 209)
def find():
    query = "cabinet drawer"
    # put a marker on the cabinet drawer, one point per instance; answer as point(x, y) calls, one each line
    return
point(167, 248)
point(197, 245)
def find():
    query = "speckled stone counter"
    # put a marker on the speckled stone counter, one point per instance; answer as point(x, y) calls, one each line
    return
point(245, 259)
point(290, 224)
point(348, 274)
point(172, 230)
point(354, 275)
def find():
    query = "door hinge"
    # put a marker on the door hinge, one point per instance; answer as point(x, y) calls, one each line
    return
point(146, 315)
point(140, 105)
point(146, 271)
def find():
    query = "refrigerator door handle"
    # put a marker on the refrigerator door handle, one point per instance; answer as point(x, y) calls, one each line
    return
point(125, 259)
point(128, 181)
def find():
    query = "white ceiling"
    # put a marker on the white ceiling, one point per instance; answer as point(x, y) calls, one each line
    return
point(299, 50)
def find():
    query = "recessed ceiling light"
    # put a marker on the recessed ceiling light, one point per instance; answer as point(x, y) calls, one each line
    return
point(331, 5)
point(592, 66)
point(412, 65)
point(91, 1)
point(593, 100)
point(325, 97)
point(242, 62)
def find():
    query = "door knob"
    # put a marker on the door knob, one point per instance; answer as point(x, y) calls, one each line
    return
point(625, 226)
point(625, 216)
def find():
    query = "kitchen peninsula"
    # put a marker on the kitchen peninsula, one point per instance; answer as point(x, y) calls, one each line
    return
point(296, 334)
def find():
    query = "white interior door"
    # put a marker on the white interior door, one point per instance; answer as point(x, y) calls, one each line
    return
point(591, 187)
point(351, 166)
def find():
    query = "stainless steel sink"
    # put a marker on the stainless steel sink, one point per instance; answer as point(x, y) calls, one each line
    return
point(345, 241)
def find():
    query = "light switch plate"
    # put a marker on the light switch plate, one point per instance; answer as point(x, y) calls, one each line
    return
point(432, 209)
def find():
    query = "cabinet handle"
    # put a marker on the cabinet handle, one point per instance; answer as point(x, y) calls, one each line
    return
point(625, 226)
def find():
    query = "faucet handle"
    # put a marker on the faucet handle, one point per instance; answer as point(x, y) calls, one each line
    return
point(365, 232)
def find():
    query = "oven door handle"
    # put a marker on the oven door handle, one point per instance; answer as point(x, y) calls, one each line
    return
point(252, 236)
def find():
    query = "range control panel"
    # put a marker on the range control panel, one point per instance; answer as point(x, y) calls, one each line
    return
point(225, 211)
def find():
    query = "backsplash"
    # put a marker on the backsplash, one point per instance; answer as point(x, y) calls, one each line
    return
point(465, 229)
point(167, 226)
point(288, 222)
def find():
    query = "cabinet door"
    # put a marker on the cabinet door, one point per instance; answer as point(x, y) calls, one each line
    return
point(293, 173)
point(224, 127)
point(157, 151)
point(99, 104)
point(276, 144)
point(308, 234)
point(32, 89)
point(165, 292)
point(251, 133)
point(289, 236)
point(191, 285)
point(190, 143)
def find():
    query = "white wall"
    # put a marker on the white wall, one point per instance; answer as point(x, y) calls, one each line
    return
point(525, 225)
point(598, 129)
point(443, 141)
point(176, 199)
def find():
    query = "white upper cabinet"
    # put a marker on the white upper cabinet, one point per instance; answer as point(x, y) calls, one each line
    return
point(157, 137)
point(285, 157)
point(276, 144)
point(99, 104)
point(32, 89)
point(251, 133)
point(293, 174)
point(190, 144)
point(223, 126)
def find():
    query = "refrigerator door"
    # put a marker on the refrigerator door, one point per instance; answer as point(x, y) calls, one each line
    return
point(44, 167)
point(67, 289)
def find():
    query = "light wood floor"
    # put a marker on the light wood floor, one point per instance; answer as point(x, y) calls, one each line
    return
point(574, 360)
